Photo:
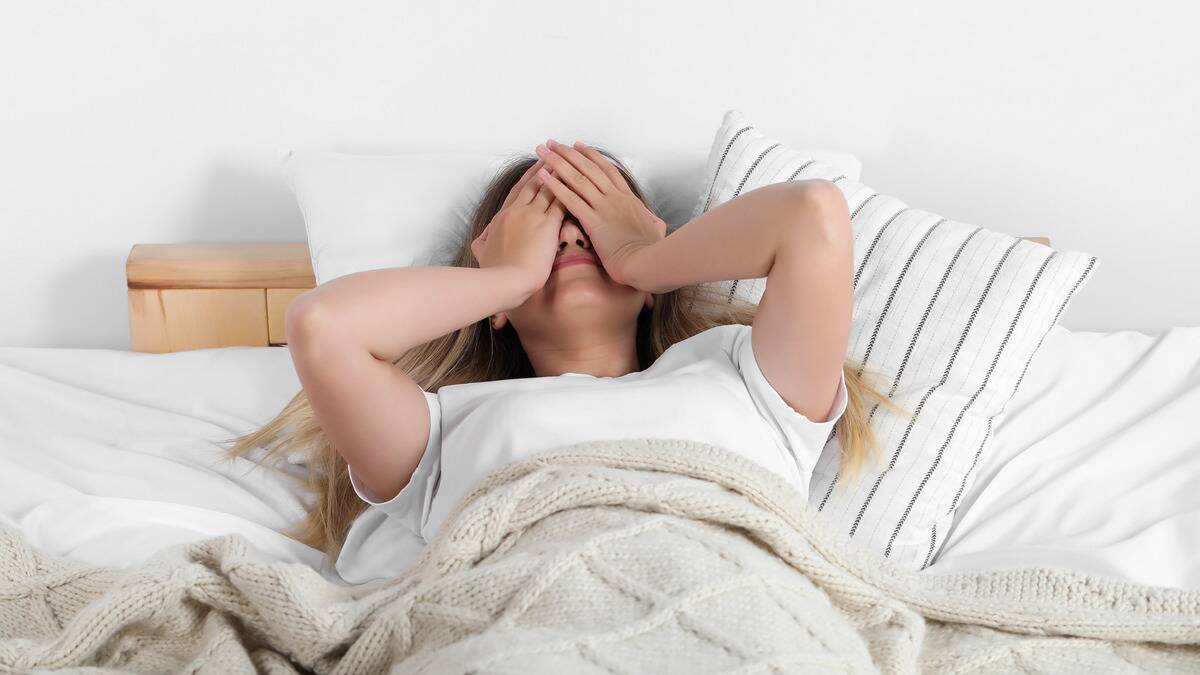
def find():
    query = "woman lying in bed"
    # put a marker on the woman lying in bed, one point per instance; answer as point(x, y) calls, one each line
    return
point(570, 316)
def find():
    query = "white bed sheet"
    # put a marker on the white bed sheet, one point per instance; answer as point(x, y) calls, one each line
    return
point(1095, 465)
point(107, 456)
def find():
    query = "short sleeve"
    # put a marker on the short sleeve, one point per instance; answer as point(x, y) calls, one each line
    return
point(804, 437)
point(411, 505)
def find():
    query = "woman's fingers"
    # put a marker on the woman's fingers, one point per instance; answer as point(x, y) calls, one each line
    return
point(557, 211)
point(569, 175)
point(614, 174)
point(573, 202)
point(543, 197)
point(522, 181)
point(585, 165)
point(530, 190)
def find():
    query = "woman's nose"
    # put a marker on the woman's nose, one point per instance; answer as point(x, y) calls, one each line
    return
point(572, 233)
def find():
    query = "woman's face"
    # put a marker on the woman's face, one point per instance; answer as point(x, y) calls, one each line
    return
point(576, 297)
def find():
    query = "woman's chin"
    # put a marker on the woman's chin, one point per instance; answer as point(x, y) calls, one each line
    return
point(582, 287)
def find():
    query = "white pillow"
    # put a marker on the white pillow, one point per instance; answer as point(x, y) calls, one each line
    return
point(370, 211)
point(948, 314)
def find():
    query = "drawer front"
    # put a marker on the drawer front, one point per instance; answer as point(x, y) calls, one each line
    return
point(278, 300)
point(179, 319)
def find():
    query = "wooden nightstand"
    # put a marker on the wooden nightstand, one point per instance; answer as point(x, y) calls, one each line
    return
point(198, 296)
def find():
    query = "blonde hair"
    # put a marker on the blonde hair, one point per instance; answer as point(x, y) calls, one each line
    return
point(477, 353)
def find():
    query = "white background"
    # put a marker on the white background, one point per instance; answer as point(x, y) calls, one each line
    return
point(151, 122)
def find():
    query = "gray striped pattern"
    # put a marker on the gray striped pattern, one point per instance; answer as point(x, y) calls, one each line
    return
point(947, 316)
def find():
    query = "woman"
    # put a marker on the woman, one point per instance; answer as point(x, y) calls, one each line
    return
point(571, 316)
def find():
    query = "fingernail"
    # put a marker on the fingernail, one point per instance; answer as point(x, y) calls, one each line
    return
point(540, 149)
point(551, 142)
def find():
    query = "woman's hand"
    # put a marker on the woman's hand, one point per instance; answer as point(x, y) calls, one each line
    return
point(523, 234)
point(594, 191)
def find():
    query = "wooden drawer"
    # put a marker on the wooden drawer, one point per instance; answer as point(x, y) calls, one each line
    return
point(278, 300)
point(200, 296)
point(178, 319)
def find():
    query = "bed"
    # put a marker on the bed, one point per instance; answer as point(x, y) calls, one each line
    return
point(1095, 465)
point(109, 456)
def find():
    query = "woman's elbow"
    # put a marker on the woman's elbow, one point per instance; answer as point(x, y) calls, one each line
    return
point(823, 215)
point(303, 317)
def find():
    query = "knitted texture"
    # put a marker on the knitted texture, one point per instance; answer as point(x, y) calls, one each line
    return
point(629, 556)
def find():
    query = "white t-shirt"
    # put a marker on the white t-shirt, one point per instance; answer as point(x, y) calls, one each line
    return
point(707, 388)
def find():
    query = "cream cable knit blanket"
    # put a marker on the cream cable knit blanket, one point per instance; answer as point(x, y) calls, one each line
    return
point(635, 556)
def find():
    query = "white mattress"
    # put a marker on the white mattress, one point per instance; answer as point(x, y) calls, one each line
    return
point(107, 456)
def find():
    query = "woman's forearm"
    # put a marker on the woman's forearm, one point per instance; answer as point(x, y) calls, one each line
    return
point(389, 311)
point(737, 239)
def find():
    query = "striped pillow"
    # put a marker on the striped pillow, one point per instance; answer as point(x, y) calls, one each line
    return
point(947, 315)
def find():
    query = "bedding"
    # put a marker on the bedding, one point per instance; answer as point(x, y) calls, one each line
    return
point(368, 211)
point(107, 456)
point(1095, 465)
point(946, 317)
point(638, 555)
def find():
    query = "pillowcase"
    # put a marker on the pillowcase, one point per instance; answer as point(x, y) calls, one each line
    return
point(947, 315)
point(370, 211)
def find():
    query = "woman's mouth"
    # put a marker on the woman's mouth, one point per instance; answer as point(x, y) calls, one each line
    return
point(574, 259)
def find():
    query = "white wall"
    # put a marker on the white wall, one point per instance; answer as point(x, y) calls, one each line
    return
point(150, 121)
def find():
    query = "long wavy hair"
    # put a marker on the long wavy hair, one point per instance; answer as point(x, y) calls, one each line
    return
point(477, 353)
